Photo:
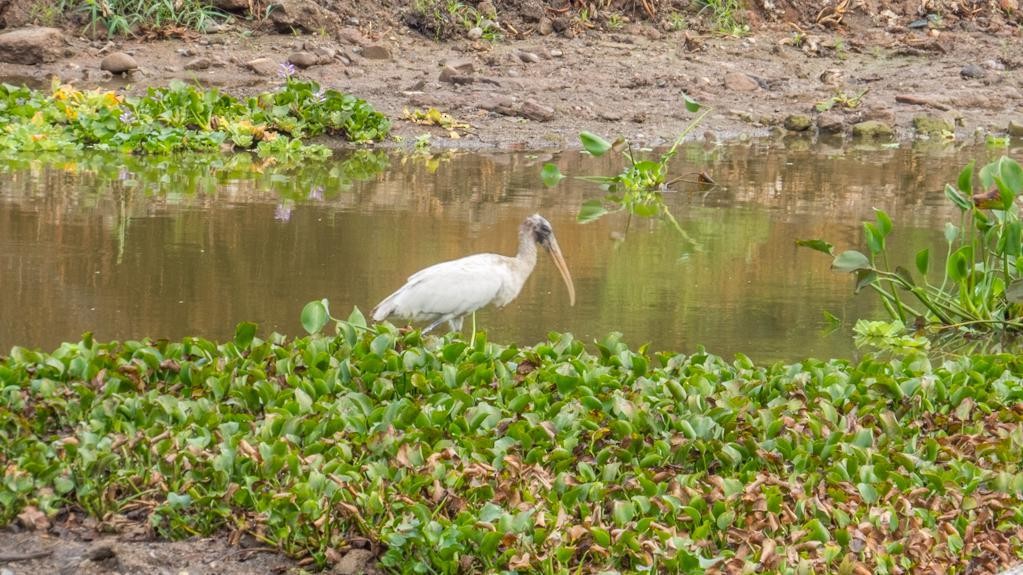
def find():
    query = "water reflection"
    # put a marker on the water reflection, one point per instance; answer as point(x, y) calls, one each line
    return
point(130, 247)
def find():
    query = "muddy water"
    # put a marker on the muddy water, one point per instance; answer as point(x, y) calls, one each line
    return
point(129, 248)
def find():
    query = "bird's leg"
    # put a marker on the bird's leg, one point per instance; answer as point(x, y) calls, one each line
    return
point(434, 324)
point(472, 340)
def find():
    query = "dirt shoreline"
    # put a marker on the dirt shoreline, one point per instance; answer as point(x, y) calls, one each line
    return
point(538, 92)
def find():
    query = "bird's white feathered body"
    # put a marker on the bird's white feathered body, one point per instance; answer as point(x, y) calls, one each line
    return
point(450, 290)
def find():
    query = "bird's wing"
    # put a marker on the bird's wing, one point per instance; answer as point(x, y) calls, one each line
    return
point(448, 289)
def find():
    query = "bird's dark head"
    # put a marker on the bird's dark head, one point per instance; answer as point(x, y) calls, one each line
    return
point(539, 229)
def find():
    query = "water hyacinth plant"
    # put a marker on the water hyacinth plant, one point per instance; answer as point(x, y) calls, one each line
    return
point(639, 188)
point(181, 117)
point(452, 458)
point(981, 285)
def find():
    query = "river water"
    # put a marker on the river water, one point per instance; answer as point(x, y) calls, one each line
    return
point(131, 247)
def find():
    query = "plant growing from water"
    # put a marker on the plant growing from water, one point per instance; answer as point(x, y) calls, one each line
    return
point(639, 188)
point(981, 286)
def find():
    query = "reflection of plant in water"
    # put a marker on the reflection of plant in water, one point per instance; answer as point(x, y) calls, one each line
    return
point(194, 174)
point(639, 188)
point(981, 287)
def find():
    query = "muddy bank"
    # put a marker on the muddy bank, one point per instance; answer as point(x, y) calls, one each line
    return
point(537, 88)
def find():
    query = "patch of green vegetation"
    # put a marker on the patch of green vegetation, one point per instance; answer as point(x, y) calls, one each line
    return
point(726, 16)
point(444, 19)
point(184, 118)
point(981, 285)
point(842, 100)
point(677, 21)
point(639, 188)
point(121, 17)
point(545, 459)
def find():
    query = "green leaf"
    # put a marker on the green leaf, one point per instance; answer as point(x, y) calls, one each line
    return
point(965, 181)
point(874, 237)
point(884, 223)
point(958, 267)
point(551, 175)
point(961, 201)
point(864, 278)
point(1014, 293)
point(244, 334)
point(1011, 174)
point(725, 519)
point(591, 210)
point(850, 261)
point(905, 275)
point(867, 492)
point(314, 316)
point(692, 106)
point(819, 245)
point(923, 258)
point(594, 144)
point(355, 318)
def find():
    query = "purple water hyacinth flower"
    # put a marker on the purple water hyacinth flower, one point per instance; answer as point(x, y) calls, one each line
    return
point(127, 117)
point(320, 96)
point(287, 70)
point(316, 194)
point(282, 213)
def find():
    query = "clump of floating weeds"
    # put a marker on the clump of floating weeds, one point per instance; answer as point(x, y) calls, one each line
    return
point(181, 117)
point(551, 458)
point(640, 187)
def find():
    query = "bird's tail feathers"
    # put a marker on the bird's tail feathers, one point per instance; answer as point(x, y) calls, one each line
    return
point(384, 308)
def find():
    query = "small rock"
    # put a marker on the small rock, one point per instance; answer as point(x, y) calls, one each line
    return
point(451, 75)
point(931, 126)
point(475, 33)
point(872, 130)
point(263, 66)
point(545, 27)
point(31, 46)
point(303, 59)
point(499, 103)
point(555, 53)
point(972, 71)
point(739, 82)
point(798, 123)
point(533, 110)
point(487, 8)
point(462, 66)
point(324, 54)
point(118, 63)
point(610, 115)
point(101, 553)
point(1015, 129)
point(529, 57)
point(355, 562)
point(6, 571)
point(352, 36)
point(289, 16)
point(831, 122)
point(651, 33)
point(200, 63)
point(376, 52)
point(561, 25)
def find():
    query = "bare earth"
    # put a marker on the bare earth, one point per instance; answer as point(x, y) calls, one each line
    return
point(537, 91)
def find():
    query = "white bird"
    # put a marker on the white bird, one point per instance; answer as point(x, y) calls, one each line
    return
point(450, 290)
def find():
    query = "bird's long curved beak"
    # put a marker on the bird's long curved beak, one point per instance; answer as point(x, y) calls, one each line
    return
point(559, 261)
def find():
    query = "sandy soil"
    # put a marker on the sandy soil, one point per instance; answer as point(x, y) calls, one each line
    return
point(532, 90)
point(538, 91)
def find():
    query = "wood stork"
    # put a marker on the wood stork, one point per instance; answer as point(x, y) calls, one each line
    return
point(450, 290)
